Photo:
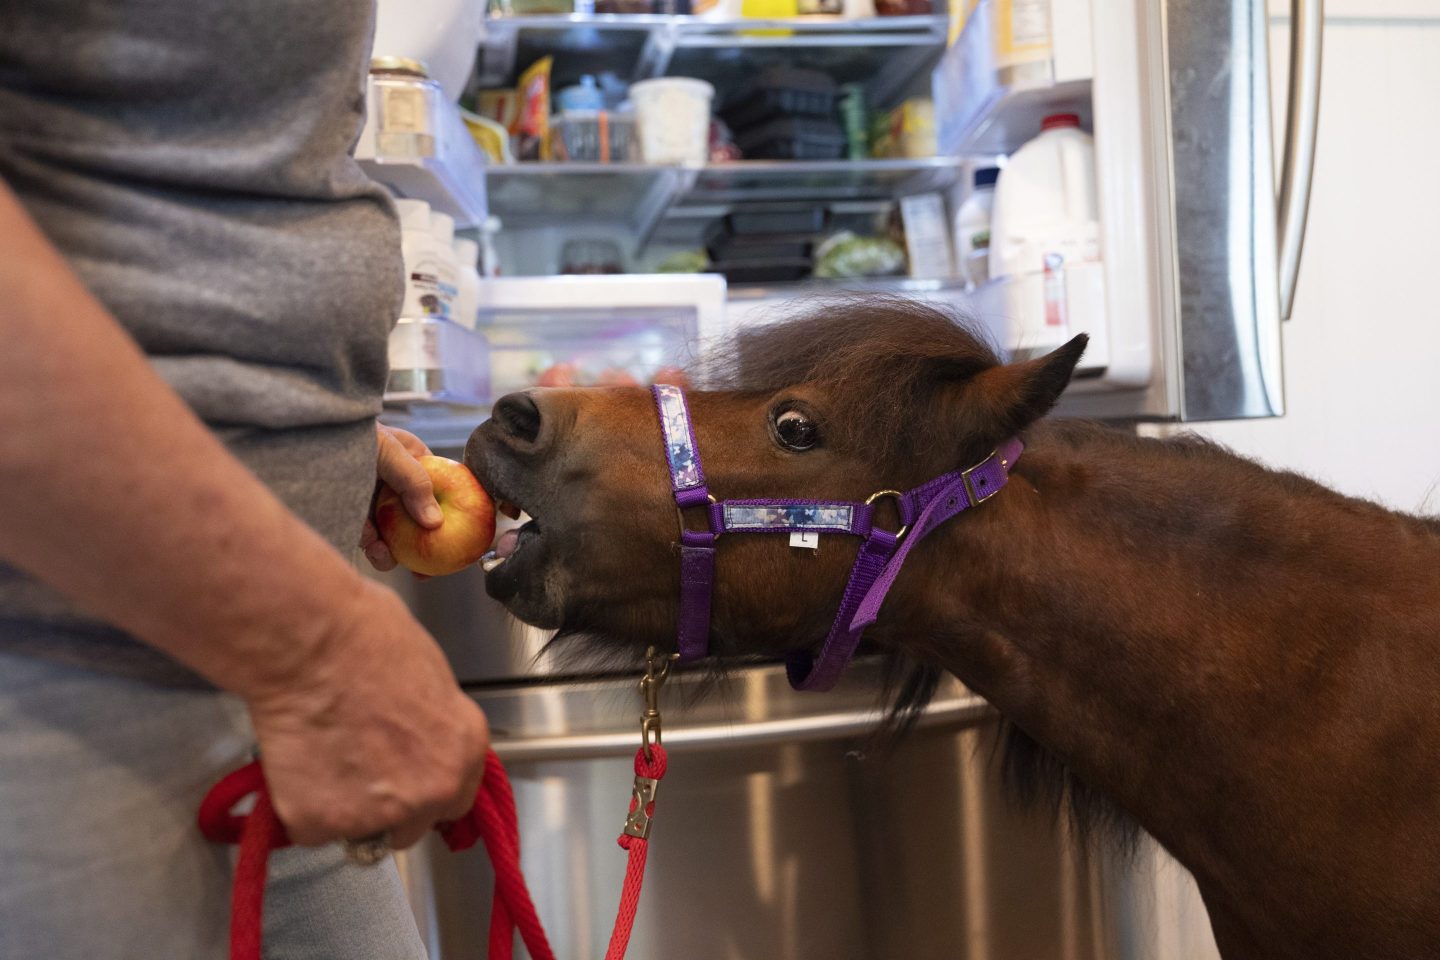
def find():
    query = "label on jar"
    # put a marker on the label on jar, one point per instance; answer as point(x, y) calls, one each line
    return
point(431, 289)
point(415, 347)
point(402, 110)
point(1022, 31)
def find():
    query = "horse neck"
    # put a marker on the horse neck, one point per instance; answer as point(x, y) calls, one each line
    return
point(1153, 611)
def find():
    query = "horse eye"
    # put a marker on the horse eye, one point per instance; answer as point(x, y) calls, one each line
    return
point(796, 431)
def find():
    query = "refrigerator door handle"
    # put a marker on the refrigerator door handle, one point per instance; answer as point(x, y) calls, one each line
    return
point(1302, 116)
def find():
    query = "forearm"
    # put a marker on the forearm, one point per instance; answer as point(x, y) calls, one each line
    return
point(123, 501)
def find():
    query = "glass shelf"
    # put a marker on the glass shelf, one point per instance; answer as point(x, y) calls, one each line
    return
point(639, 196)
point(891, 54)
point(951, 288)
point(749, 181)
point(549, 194)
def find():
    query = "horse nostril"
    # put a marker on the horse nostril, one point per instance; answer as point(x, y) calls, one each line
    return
point(518, 415)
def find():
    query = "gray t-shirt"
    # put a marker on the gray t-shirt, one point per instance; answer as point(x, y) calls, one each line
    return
point(191, 159)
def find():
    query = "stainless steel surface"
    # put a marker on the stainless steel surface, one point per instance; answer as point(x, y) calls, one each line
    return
point(578, 721)
point(792, 850)
point(482, 641)
point(1302, 121)
point(1216, 60)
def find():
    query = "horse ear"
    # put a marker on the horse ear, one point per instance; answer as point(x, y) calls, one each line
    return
point(1012, 396)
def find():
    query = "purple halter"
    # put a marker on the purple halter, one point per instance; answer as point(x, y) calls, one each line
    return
point(881, 552)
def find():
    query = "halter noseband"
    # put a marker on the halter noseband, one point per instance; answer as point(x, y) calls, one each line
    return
point(881, 552)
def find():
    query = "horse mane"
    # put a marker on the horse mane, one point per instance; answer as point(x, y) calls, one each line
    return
point(892, 354)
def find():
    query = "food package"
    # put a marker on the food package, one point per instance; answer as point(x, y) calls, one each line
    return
point(532, 128)
point(906, 131)
point(502, 106)
point(846, 256)
point(490, 136)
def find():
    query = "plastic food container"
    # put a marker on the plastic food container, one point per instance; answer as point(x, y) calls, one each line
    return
point(781, 91)
point(799, 220)
point(794, 138)
point(723, 245)
point(673, 117)
point(593, 136)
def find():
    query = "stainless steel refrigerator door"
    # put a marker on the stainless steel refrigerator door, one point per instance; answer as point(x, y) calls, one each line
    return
point(1186, 157)
point(1217, 57)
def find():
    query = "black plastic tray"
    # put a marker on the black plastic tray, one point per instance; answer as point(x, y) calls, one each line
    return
point(781, 91)
point(763, 271)
point(807, 220)
point(723, 245)
point(794, 138)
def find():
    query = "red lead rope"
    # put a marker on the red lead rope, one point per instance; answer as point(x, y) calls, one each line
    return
point(492, 820)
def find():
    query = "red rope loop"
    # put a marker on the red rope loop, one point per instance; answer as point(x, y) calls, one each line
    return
point(653, 768)
point(492, 820)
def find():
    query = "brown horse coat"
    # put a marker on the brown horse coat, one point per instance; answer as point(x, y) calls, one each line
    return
point(1245, 662)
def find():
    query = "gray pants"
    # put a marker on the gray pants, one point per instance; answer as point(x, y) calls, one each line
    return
point(100, 857)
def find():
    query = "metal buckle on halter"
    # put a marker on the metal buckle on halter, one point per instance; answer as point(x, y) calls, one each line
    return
point(898, 497)
point(976, 500)
point(680, 515)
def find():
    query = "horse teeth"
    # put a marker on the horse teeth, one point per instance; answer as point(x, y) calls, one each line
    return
point(491, 563)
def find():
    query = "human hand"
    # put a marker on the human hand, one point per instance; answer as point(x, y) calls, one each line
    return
point(399, 468)
point(371, 733)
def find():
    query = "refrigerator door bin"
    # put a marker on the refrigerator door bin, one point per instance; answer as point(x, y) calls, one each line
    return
point(434, 360)
point(415, 143)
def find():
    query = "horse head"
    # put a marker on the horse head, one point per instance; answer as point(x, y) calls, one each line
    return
point(856, 397)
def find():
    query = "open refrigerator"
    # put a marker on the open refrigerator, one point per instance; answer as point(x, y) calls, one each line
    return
point(1197, 257)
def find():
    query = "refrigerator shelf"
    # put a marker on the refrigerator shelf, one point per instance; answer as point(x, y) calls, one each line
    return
point(748, 181)
point(988, 103)
point(638, 196)
point(888, 53)
point(633, 195)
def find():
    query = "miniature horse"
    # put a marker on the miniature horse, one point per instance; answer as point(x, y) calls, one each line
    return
point(1244, 662)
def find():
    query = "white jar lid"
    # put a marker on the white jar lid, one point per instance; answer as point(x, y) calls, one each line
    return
point(688, 85)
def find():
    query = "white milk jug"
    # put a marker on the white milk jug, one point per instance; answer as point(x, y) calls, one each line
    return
point(1045, 237)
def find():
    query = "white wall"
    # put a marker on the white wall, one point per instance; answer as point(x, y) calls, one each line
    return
point(1362, 353)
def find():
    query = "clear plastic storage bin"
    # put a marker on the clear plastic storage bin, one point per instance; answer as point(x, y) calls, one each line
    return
point(434, 360)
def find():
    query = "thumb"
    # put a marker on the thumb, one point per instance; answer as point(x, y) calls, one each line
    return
point(404, 474)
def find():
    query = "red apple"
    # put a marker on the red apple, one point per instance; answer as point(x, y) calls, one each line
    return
point(559, 375)
point(460, 540)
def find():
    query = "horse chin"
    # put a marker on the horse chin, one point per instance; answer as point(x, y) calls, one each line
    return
point(527, 586)
point(523, 586)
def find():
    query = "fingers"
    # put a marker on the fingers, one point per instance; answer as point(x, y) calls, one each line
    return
point(413, 444)
point(374, 548)
point(399, 470)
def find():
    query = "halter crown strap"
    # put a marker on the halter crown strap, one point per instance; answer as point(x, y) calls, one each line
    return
point(881, 556)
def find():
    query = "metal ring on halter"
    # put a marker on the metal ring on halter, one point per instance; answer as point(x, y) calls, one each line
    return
point(680, 514)
point(895, 495)
point(368, 851)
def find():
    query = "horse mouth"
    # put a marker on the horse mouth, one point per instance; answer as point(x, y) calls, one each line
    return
point(515, 550)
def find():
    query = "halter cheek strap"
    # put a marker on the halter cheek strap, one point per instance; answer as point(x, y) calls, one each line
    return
point(881, 555)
